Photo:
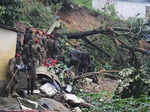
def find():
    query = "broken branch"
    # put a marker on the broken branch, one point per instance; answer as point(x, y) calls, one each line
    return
point(101, 50)
point(104, 73)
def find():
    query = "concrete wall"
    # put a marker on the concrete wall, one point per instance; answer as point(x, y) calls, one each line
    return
point(99, 4)
point(7, 50)
point(125, 8)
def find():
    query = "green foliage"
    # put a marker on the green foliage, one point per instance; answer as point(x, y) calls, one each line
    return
point(110, 10)
point(103, 103)
point(134, 82)
point(33, 13)
point(54, 2)
point(135, 24)
point(10, 11)
point(56, 5)
point(85, 3)
point(37, 15)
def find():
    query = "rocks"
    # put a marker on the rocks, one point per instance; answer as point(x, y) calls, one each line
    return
point(9, 104)
point(52, 105)
point(68, 88)
point(25, 105)
point(73, 99)
point(48, 89)
point(77, 109)
point(40, 75)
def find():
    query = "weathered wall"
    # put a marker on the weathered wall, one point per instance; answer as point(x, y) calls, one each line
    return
point(124, 8)
point(99, 4)
point(7, 49)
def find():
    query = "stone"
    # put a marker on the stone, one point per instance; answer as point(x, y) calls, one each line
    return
point(9, 104)
point(52, 105)
point(73, 98)
point(68, 88)
point(77, 109)
point(48, 89)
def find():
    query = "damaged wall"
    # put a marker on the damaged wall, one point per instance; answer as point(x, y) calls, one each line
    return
point(8, 40)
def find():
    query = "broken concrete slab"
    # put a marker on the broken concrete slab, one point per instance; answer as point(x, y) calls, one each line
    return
point(52, 105)
point(73, 98)
point(76, 101)
point(9, 104)
point(77, 109)
point(48, 89)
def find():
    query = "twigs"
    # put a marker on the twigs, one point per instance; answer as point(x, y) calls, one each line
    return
point(101, 50)
point(104, 73)
point(112, 31)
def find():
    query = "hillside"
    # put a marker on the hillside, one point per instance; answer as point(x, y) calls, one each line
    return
point(78, 18)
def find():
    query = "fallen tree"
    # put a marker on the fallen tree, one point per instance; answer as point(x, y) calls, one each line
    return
point(106, 73)
point(110, 31)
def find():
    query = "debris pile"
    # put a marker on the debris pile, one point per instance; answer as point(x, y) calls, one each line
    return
point(39, 72)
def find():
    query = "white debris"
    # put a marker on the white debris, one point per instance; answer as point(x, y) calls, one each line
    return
point(36, 91)
point(77, 109)
point(48, 89)
point(88, 80)
point(69, 88)
point(25, 108)
point(73, 98)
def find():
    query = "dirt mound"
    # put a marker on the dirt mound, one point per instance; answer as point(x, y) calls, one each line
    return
point(81, 19)
point(104, 84)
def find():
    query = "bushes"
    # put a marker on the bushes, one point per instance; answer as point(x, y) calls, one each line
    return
point(10, 11)
point(36, 14)
point(103, 103)
point(33, 13)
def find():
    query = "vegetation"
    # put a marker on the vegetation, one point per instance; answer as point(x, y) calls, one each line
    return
point(35, 14)
point(132, 94)
point(10, 11)
point(85, 3)
point(141, 104)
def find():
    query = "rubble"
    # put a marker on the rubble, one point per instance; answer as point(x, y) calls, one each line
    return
point(40, 70)
point(48, 89)
point(52, 105)
point(68, 88)
point(76, 101)
point(77, 109)
point(73, 99)
point(9, 104)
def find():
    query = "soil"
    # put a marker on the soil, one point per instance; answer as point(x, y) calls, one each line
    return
point(103, 84)
point(81, 19)
point(78, 18)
